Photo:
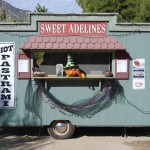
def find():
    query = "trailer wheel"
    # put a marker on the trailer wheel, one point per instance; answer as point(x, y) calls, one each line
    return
point(61, 129)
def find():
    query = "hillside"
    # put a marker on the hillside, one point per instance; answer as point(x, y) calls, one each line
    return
point(13, 12)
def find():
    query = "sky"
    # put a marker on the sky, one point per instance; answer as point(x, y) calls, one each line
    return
point(53, 6)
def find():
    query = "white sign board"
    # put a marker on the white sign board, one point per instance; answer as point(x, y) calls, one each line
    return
point(7, 75)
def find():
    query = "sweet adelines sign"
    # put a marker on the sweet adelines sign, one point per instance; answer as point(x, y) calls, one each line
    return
point(7, 75)
point(73, 28)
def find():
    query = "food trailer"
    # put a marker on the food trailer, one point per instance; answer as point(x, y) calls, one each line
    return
point(67, 70)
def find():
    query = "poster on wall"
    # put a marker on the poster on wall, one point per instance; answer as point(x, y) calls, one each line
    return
point(23, 66)
point(7, 59)
point(138, 73)
point(121, 66)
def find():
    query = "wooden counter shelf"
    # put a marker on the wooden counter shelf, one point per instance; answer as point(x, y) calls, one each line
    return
point(88, 76)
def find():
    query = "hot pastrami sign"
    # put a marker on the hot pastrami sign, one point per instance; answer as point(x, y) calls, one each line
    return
point(7, 75)
point(73, 28)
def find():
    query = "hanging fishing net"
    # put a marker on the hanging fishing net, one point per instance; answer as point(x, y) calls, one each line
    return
point(84, 107)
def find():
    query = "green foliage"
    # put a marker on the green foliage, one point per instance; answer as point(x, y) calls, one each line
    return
point(2, 15)
point(6, 17)
point(129, 10)
point(143, 14)
point(40, 8)
point(38, 56)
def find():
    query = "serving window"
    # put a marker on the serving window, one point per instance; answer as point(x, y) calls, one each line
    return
point(90, 63)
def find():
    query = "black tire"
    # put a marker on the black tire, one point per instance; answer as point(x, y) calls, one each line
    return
point(61, 129)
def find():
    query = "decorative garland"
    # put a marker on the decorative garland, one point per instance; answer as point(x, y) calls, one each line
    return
point(86, 107)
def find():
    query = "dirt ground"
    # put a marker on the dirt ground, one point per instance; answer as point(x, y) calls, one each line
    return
point(83, 139)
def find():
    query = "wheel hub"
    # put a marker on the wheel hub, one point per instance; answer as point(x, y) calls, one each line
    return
point(61, 127)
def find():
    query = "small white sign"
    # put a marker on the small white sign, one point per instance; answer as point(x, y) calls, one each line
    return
point(121, 66)
point(23, 66)
point(138, 84)
point(59, 69)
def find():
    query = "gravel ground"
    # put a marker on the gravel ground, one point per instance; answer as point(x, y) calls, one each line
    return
point(83, 139)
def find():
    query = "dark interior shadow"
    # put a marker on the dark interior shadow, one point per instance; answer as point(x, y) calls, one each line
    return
point(112, 131)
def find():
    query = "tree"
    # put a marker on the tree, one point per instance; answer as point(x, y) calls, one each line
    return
point(129, 10)
point(143, 14)
point(40, 8)
point(2, 15)
point(6, 17)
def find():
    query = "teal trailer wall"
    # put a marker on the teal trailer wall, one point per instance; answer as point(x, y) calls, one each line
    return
point(118, 114)
point(137, 45)
point(17, 116)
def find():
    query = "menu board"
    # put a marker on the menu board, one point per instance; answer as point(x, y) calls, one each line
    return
point(138, 72)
